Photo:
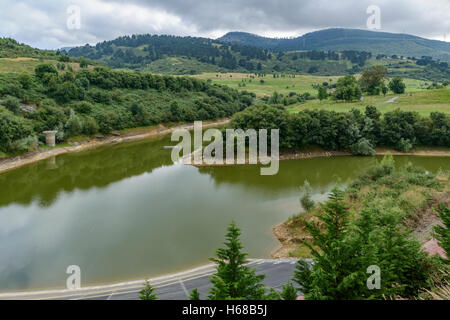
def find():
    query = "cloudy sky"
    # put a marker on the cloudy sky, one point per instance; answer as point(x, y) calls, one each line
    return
point(54, 23)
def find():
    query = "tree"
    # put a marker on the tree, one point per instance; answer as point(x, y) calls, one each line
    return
point(194, 295)
point(233, 279)
point(363, 147)
point(73, 126)
point(442, 233)
point(44, 68)
point(329, 276)
point(372, 79)
point(347, 89)
point(25, 80)
point(397, 85)
point(288, 292)
point(12, 104)
point(83, 63)
point(322, 93)
point(148, 292)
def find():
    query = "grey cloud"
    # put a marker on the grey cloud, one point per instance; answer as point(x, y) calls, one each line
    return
point(43, 23)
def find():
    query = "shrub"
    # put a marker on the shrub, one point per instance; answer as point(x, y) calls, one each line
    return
point(84, 107)
point(73, 126)
point(12, 104)
point(23, 145)
point(397, 85)
point(44, 68)
point(363, 147)
point(305, 200)
point(404, 145)
point(12, 128)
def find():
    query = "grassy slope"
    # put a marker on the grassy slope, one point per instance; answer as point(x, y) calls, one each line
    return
point(27, 65)
point(413, 193)
point(424, 102)
point(284, 85)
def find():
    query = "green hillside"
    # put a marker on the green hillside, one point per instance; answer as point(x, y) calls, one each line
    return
point(53, 91)
point(349, 39)
point(188, 55)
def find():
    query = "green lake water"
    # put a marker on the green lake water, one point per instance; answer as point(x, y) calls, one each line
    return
point(125, 212)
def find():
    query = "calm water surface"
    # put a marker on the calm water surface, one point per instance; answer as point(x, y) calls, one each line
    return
point(125, 212)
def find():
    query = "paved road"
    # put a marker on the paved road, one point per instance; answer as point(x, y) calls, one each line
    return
point(173, 287)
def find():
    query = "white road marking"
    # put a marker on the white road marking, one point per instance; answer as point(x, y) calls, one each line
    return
point(184, 288)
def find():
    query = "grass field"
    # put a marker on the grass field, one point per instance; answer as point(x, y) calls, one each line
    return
point(27, 65)
point(252, 83)
point(286, 84)
point(423, 102)
point(417, 97)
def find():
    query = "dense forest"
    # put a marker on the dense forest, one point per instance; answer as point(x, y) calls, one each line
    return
point(102, 100)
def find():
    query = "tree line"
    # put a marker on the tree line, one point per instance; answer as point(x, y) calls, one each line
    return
point(357, 131)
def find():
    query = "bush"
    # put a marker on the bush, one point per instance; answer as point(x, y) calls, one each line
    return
point(12, 128)
point(25, 80)
point(363, 147)
point(305, 200)
point(23, 145)
point(404, 145)
point(397, 85)
point(44, 68)
point(12, 104)
point(90, 126)
point(83, 107)
point(73, 126)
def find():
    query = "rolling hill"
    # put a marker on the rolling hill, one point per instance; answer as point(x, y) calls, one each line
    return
point(349, 39)
point(241, 52)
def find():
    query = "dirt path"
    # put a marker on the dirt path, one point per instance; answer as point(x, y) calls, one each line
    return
point(22, 160)
point(392, 100)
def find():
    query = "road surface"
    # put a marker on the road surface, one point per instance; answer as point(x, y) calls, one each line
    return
point(173, 287)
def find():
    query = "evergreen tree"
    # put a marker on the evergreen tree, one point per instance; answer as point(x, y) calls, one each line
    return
point(148, 292)
point(235, 280)
point(289, 292)
point(322, 93)
point(329, 276)
point(194, 295)
point(442, 233)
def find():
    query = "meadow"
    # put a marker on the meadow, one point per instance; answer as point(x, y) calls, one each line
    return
point(27, 65)
point(417, 97)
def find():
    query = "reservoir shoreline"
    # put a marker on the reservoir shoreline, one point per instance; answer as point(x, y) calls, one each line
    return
point(12, 163)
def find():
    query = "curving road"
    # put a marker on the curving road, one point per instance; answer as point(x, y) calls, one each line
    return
point(172, 287)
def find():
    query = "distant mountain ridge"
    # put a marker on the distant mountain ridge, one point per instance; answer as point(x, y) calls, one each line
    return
point(339, 39)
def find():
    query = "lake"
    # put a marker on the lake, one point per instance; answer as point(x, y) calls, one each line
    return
point(125, 212)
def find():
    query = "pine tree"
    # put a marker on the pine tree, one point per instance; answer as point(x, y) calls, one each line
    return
point(402, 262)
point(329, 277)
point(442, 233)
point(148, 292)
point(303, 276)
point(194, 295)
point(235, 280)
point(289, 292)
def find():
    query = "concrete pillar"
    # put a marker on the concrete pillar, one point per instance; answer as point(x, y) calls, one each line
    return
point(50, 138)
